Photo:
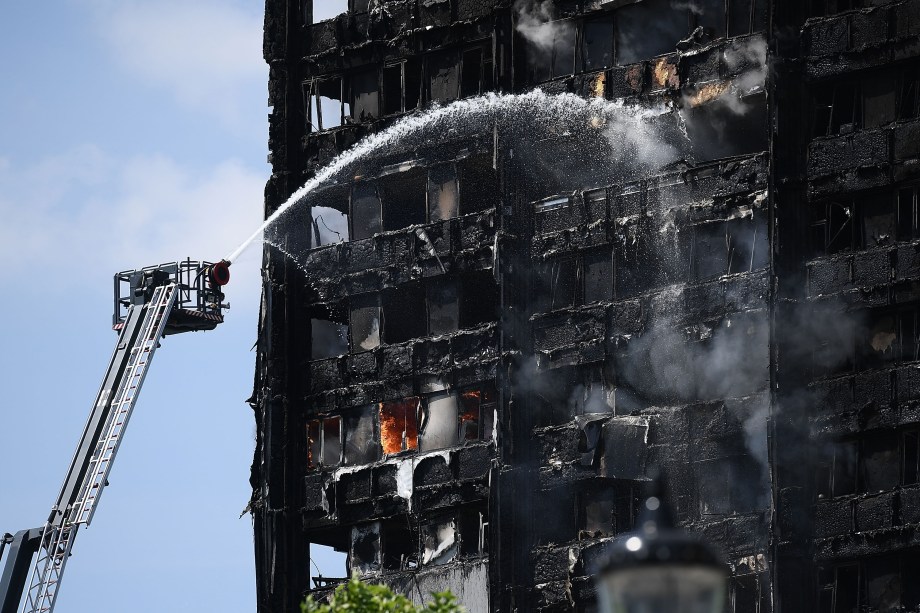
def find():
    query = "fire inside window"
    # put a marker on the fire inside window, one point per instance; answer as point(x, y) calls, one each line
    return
point(421, 423)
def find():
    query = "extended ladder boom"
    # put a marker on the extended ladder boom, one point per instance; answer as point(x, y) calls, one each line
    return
point(167, 299)
point(80, 493)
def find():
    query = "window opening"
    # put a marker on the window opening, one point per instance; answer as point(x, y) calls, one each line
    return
point(399, 425)
point(907, 214)
point(593, 392)
point(328, 339)
point(393, 89)
point(365, 96)
point(366, 217)
point(748, 248)
point(840, 228)
point(330, 224)
point(879, 460)
point(597, 44)
point(883, 584)
point(479, 299)
point(326, 108)
point(910, 470)
point(400, 545)
point(478, 184)
point(324, 442)
point(327, 9)
point(709, 15)
point(563, 279)
point(471, 73)
point(439, 422)
point(626, 507)
point(404, 314)
point(443, 193)
point(598, 276)
point(843, 469)
point(563, 49)
point(404, 198)
point(633, 40)
point(477, 406)
point(443, 76)
point(845, 111)
point(329, 563)
point(710, 253)
point(838, 589)
point(443, 307)
point(364, 318)
point(439, 543)
point(909, 94)
point(472, 526)
point(879, 341)
point(332, 441)
point(360, 443)
point(365, 554)
point(595, 515)
point(879, 104)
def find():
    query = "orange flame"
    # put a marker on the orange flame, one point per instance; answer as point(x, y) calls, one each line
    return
point(398, 425)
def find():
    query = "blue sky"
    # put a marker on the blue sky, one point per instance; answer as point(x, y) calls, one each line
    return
point(132, 132)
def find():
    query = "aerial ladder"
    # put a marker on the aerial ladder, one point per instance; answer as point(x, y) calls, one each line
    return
point(150, 303)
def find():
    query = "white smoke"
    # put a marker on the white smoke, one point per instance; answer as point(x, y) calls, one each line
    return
point(535, 22)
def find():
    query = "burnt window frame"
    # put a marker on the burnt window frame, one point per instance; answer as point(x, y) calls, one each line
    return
point(320, 462)
point(409, 443)
point(375, 452)
point(910, 456)
point(400, 534)
point(843, 456)
point(486, 81)
point(825, 96)
point(856, 478)
point(423, 400)
point(553, 267)
point(580, 42)
point(827, 578)
point(731, 231)
point(761, 596)
point(447, 172)
point(827, 103)
point(485, 45)
point(907, 105)
point(838, 225)
point(348, 88)
point(364, 184)
point(829, 587)
point(365, 301)
point(488, 400)
point(407, 67)
point(435, 521)
point(904, 348)
point(309, 90)
point(468, 516)
point(625, 503)
point(547, 57)
point(401, 299)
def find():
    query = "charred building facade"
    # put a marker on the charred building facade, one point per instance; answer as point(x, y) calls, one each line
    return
point(685, 236)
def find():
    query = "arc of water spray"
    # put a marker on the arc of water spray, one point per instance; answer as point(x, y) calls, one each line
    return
point(534, 105)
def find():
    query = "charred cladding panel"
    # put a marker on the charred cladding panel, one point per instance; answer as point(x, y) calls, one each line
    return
point(648, 235)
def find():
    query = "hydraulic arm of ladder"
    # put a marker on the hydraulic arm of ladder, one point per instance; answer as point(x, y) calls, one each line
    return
point(139, 337)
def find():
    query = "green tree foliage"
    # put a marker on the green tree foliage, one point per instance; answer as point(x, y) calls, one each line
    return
point(358, 597)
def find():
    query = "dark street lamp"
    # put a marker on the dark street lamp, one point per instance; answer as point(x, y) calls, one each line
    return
point(658, 568)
